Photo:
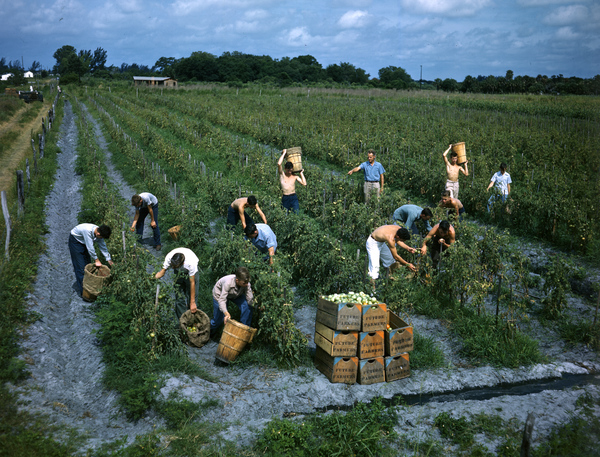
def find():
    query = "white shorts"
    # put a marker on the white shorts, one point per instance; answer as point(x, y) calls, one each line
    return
point(377, 250)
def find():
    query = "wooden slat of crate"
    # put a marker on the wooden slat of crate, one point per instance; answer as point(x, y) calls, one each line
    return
point(342, 316)
point(371, 371)
point(397, 367)
point(374, 317)
point(338, 343)
point(370, 344)
point(337, 369)
point(400, 338)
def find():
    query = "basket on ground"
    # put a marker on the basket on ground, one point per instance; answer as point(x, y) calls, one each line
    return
point(94, 279)
point(234, 339)
point(174, 232)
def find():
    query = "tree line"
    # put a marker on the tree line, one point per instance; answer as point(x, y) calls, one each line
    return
point(237, 68)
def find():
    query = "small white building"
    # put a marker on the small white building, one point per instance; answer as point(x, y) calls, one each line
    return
point(28, 74)
point(6, 76)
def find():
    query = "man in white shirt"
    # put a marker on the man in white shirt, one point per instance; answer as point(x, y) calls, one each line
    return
point(81, 247)
point(501, 180)
point(185, 265)
point(146, 204)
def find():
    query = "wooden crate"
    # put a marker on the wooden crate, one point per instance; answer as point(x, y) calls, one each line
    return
point(370, 344)
point(342, 316)
point(337, 369)
point(338, 343)
point(400, 338)
point(374, 317)
point(371, 371)
point(397, 367)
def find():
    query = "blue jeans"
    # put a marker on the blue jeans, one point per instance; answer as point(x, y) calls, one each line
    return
point(493, 199)
point(290, 202)
point(218, 316)
point(139, 226)
point(233, 217)
point(80, 258)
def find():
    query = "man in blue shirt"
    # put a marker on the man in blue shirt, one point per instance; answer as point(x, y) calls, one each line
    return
point(373, 175)
point(263, 238)
point(410, 214)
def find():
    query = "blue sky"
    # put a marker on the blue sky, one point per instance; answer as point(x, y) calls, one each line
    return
point(448, 38)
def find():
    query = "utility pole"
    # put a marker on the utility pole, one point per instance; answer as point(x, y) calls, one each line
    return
point(421, 79)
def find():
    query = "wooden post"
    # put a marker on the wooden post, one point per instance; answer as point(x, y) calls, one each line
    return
point(20, 192)
point(498, 298)
point(28, 173)
point(527, 431)
point(7, 223)
point(124, 245)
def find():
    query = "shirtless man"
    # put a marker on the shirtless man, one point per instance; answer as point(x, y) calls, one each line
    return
point(443, 235)
point(289, 199)
point(453, 170)
point(452, 203)
point(381, 244)
point(236, 212)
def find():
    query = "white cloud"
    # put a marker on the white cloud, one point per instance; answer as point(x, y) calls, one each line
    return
point(445, 7)
point(546, 2)
point(247, 27)
point(298, 36)
point(566, 33)
point(353, 19)
point(573, 14)
point(255, 15)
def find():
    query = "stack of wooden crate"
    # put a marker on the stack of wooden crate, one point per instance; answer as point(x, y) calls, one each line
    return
point(361, 343)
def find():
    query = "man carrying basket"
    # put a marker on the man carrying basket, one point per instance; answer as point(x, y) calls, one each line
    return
point(289, 199)
point(452, 171)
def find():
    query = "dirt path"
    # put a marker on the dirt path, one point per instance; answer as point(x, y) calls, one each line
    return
point(65, 362)
point(21, 148)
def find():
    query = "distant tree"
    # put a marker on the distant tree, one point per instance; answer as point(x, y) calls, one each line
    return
point(509, 75)
point(470, 84)
point(347, 73)
point(62, 55)
point(309, 69)
point(438, 83)
point(165, 66)
point(17, 78)
point(449, 85)
point(98, 61)
point(233, 66)
point(15, 65)
point(35, 66)
point(394, 77)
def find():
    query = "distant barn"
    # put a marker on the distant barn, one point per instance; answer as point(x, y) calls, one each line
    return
point(28, 74)
point(154, 81)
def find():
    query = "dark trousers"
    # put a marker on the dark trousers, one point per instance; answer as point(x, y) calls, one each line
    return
point(436, 251)
point(139, 226)
point(290, 202)
point(233, 217)
point(80, 258)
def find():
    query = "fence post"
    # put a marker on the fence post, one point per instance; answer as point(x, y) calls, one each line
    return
point(7, 223)
point(28, 173)
point(20, 192)
point(526, 443)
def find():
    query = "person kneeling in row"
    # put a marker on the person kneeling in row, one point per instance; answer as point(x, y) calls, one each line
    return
point(237, 289)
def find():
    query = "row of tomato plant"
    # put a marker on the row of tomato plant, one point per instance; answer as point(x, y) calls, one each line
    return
point(554, 162)
point(472, 289)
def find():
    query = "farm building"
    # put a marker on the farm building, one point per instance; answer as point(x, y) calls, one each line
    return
point(154, 81)
point(6, 76)
point(28, 74)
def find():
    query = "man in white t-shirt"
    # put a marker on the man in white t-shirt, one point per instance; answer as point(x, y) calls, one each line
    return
point(501, 182)
point(185, 265)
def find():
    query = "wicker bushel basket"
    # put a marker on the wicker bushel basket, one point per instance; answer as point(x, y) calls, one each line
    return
point(235, 337)
point(460, 150)
point(294, 155)
point(174, 232)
